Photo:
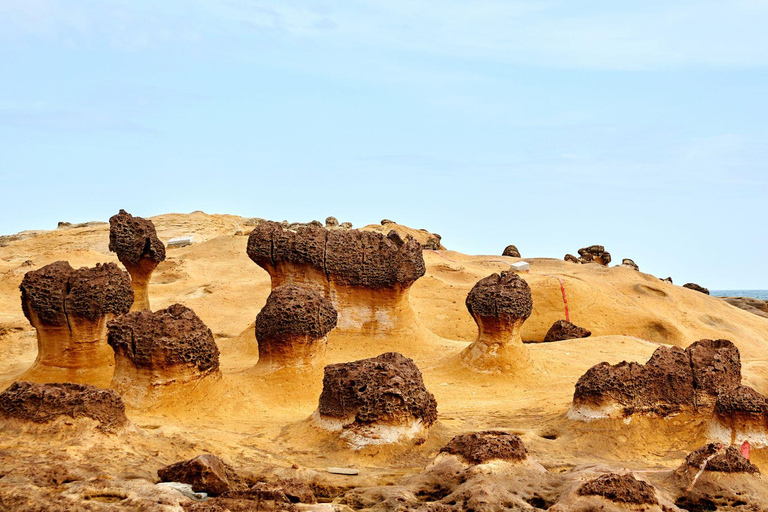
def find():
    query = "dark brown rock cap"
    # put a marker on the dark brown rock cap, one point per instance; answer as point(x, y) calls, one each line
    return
point(621, 488)
point(295, 311)
point(564, 330)
point(387, 388)
point(742, 401)
point(171, 336)
point(350, 256)
point(57, 291)
point(504, 295)
point(696, 287)
point(726, 459)
point(42, 403)
point(716, 365)
point(480, 447)
point(511, 250)
point(205, 473)
point(134, 238)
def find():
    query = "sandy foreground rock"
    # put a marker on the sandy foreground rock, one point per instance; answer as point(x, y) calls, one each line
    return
point(256, 422)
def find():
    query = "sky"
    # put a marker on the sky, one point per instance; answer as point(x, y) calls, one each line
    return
point(551, 125)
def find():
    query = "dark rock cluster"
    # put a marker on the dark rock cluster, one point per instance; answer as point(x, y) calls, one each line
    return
point(564, 330)
point(133, 238)
point(729, 460)
point(695, 287)
point(621, 488)
point(591, 254)
point(480, 447)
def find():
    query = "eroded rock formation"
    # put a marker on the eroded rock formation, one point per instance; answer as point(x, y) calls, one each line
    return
point(622, 488)
point(756, 306)
point(205, 473)
point(696, 287)
point(375, 401)
point(70, 309)
point(366, 274)
point(672, 380)
point(47, 403)
point(163, 352)
point(741, 414)
point(135, 242)
point(292, 327)
point(481, 447)
point(591, 254)
point(626, 262)
point(511, 251)
point(564, 330)
point(500, 304)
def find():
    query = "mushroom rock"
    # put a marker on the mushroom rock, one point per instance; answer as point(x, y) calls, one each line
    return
point(70, 309)
point(331, 222)
point(375, 401)
point(28, 403)
point(292, 328)
point(481, 447)
point(741, 414)
point(512, 251)
point(366, 274)
point(205, 473)
point(500, 304)
point(673, 379)
point(695, 287)
point(166, 351)
point(621, 488)
point(564, 330)
point(626, 262)
point(135, 242)
point(594, 254)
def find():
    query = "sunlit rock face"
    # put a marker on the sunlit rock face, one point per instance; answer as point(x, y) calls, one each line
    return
point(135, 242)
point(365, 274)
point(70, 309)
point(161, 353)
point(500, 304)
point(671, 381)
point(292, 328)
point(380, 400)
point(740, 414)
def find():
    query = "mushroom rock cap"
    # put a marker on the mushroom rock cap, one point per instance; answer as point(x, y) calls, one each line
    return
point(729, 460)
point(512, 251)
point(741, 401)
point(480, 447)
point(716, 366)
point(385, 389)
point(741, 414)
point(331, 222)
point(44, 403)
point(57, 292)
point(174, 336)
point(696, 287)
point(620, 488)
point(504, 295)
point(134, 238)
point(564, 330)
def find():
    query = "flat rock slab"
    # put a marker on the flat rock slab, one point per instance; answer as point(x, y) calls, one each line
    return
point(343, 471)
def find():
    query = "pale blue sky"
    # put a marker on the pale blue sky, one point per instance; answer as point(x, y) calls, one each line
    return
point(547, 124)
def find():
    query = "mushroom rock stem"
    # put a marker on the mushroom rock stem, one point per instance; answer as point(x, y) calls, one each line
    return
point(141, 273)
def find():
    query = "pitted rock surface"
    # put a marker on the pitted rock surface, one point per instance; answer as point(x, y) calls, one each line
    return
point(504, 295)
point(134, 238)
point(42, 403)
point(165, 338)
point(388, 388)
point(57, 291)
point(729, 460)
point(205, 473)
point(295, 311)
point(564, 330)
point(620, 488)
point(741, 401)
point(511, 251)
point(666, 380)
point(594, 254)
point(716, 365)
point(480, 447)
point(605, 382)
point(351, 256)
point(695, 287)
point(331, 222)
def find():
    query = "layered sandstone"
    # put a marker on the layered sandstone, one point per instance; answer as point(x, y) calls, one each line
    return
point(161, 352)
point(500, 304)
point(135, 242)
point(70, 309)
point(740, 414)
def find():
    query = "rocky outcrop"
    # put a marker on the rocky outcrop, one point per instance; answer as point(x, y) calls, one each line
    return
point(695, 287)
point(621, 488)
point(570, 258)
point(592, 254)
point(292, 327)
point(481, 447)
point(29, 402)
point(755, 306)
point(741, 414)
point(70, 309)
point(564, 330)
point(161, 352)
point(205, 473)
point(500, 304)
point(375, 401)
point(366, 274)
point(668, 280)
point(135, 242)
point(672, 380)
point(280, 496)
point(511, 251)
point(626, 262)
point(331, 222)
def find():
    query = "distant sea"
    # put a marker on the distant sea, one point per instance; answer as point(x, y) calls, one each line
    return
point(755, 294)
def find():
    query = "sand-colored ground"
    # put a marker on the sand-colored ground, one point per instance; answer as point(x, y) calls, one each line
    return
point(258, 422)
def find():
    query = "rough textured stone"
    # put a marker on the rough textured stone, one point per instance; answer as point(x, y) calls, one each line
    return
point(281, 496)
point(331, 222)
point(716, 366)
point(388, 388)
point(696, 287)
point(169, 337)
point(571, 258)
point(42, 403)
point(620, 488)
point(742, 401)
point(504, 295)
point(755, 306)
point(606, 383)
point(433, 243)
point(626, 262)
point(594, 254)
point(511, 251)
point(57, 291)
point(565, 330)
point(134, 238)
point(480, 447)
point(730, 460)
point(205, 473)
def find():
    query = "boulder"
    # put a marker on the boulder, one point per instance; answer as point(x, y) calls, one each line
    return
point(695, 287)
point(564, 330)
point(511, 251)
